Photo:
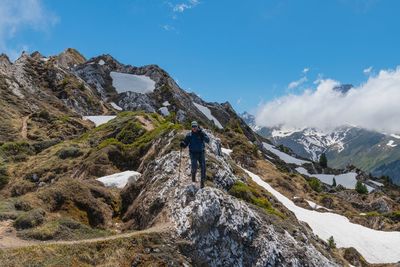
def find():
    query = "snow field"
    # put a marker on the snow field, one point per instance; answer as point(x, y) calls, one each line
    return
point(375, 246)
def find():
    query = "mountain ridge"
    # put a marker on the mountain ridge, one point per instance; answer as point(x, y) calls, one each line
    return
point(52, 158)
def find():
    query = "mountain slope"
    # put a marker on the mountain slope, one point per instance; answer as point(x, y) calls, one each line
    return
point(52, 174)
point(370, 151)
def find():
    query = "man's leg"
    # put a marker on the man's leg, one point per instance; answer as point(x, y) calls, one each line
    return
point(202, 161)
point(193, 160)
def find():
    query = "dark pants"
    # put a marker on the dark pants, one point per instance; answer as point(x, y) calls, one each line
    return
point(198, 158)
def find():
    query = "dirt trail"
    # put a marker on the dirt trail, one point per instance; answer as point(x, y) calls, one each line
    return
point(9, 239)
point(8, 236)
point(24, 129)
point(147, 124)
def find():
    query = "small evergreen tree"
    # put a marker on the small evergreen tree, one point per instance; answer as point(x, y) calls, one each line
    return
point(315, 184)
point(361, 188)
point(334, 182)
point(323, 161)
point(331, 242)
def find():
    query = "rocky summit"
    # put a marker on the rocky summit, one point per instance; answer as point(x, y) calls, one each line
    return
point(90, 163)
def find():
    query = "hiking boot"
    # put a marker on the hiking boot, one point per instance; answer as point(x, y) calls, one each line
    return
point(193, 177)
point(202, 183)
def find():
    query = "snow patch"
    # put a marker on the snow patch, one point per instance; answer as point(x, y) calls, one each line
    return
point(226, 150)
point(99, 120)
point(119, 180)
point(395, 136)
point(124, 82)
point(283, 132)
point(377, 183)
point(283, 156)
point(315, 206)
point(391, 143)
point(375, 246)
point(101, 62)
point(164, 111)
point(166, 104)
point(115, 106)
point(207, 112)
point(348, 180)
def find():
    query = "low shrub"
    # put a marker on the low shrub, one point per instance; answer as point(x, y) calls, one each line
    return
point(395, 215)
point(69, 152)
point(62, 229)
point(30, 219)
point(331, 242)
point(251, 195)
point(361, 188)
point(315, 184)
point(130, 133)
point(16, 150)
point(3, 177)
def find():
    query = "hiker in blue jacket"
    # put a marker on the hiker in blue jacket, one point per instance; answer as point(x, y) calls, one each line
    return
point(195, 140)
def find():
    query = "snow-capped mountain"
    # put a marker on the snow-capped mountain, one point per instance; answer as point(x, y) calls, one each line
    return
point(378, 153)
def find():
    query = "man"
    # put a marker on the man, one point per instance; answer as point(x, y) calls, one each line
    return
point(195, 140)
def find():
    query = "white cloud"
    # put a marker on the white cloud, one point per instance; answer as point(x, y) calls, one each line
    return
point(367, 71)
point(305, 70)
point(372, 105)
point(18, 15)
point(297, 83)
point(168, 27)
point(182, 7)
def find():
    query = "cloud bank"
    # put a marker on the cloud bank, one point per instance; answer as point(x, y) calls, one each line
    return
point(18, 15)
point(373, 105)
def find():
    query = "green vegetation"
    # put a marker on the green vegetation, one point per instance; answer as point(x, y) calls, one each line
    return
point(126, 251)
point(284, 149)
point(126, 146)
point(334, 182)
point(3, 177)
point(361, 188)
point(44, 114)
point(254, 196)
point(30, 219)
point(16, 151)
point(130, 132)
point(372, 214)
point(395, 215)
point(81, 86)
point(8, 211)
point(315, 184)
point(331, 242)
point(62, 229)
point(69, 152)
point(323, 161)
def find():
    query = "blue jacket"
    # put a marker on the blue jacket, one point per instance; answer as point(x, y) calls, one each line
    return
point(196, 140)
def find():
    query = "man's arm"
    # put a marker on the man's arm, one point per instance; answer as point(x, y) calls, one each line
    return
point(185, 142)
point(205, 136)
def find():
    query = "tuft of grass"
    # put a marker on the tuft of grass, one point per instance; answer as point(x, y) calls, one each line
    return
point(63, 229)
point(16, 151)
point(130, 132)
point(30, 219)
point(315, 184)
point(372, 214)
point(4, 178)
point(395, 215)
point(253, 196)
point(69, 152)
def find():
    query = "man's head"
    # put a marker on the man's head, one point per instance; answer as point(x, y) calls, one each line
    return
point(195, 126)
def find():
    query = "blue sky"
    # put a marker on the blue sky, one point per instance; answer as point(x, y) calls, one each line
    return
point(244, 52)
